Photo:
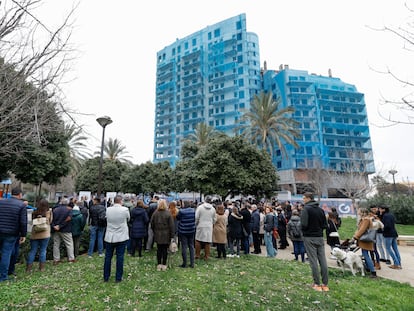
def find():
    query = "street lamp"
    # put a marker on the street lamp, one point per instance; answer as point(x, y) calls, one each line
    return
point(393, 172)
point(103, 121)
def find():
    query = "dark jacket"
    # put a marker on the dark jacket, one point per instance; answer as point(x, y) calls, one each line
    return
point(270, 222)
point(162, 223)
point(94, 214)
point(389, 230)
point(62, 216)
point(13, 217)
point(246, 219)
point(186, 221)
point(294, 226)
point(139, 221)
point(78, 223)
point(255, 222)
point(235, 224)
point(313, 220)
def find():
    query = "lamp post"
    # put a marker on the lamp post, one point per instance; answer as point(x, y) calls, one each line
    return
point(103, 121)
point(393, 172)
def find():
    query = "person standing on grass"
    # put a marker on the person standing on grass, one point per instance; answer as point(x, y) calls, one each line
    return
point(205, 219)
point(138, 227)
point(39, 240)
point(162, 224)
point(152, 207)
point(62, 227)
point(13, 228)
point(313, 222)
point(220, 231)
point(186, 232)
point(116, 237)
point(78, 224)
point(255, 226)
point(96, 228)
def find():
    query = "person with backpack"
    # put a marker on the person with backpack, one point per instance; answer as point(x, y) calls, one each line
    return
point(97, 225)
point(294, 231)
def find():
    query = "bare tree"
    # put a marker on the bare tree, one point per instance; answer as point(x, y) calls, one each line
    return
point(403, 107)
point(33, 63)
point(352, 178)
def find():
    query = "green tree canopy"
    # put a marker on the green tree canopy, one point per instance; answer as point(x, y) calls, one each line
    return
point(227, 165)
point(148, 178)
point(112, 171)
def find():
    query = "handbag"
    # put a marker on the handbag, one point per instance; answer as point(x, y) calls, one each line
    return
point(40, 224)
point(368, 236)
point(173, 246)
point(334, 234)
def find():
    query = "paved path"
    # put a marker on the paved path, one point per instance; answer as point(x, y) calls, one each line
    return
point(406, 275)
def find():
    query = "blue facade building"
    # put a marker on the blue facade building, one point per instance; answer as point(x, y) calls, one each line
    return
point(209, 76)
point(333, 123)
point(212, 75)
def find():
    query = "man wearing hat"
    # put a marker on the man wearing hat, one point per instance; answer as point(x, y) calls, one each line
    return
point(13, 228)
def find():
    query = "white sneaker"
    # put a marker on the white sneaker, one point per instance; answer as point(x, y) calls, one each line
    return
point(230, 255)
point(90, 257)
point(101, 255)
point(237, 256)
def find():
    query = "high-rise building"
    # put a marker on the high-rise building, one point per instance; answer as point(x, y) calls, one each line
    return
point(334, 129)
point(209, 76)
point(212, 75)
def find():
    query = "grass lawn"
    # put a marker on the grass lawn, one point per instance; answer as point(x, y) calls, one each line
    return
point(246, 283)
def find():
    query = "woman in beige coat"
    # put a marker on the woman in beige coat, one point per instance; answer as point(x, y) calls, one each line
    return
point(364, 224)
point(220, 232)
point(39, 240)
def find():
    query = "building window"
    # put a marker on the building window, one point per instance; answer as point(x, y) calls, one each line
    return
point(217, 33)
point(194, 42)
point(241, 94)
point(238, 25)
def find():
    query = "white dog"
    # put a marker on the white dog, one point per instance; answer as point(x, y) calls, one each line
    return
point(348, 259)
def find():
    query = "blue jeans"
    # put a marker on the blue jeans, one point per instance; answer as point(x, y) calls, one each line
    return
point(96, 231)
point(392, 249)
point(14, 257)
point(187, 241)
point(7, 243)
point(34, 245)
point(109, 252)
point(368, 260)
point(268, 239)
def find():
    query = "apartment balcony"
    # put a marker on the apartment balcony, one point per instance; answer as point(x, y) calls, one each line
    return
point(224, 90)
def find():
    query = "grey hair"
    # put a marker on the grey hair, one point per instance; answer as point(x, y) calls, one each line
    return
point(64, 201)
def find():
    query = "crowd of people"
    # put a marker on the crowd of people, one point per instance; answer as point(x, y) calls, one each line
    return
point(129, 226)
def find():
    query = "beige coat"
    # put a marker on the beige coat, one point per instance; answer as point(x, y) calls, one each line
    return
point(363, 225)
point(43, 234)
point(220, 229)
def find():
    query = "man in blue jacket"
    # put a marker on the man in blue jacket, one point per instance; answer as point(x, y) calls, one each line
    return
point(13, 227)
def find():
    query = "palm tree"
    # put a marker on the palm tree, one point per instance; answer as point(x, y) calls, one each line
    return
point(114, 150)
point(268, 126)
point(203, 133)
point(78, 148)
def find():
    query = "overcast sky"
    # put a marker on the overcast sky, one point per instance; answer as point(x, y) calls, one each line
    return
point(118, 41)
